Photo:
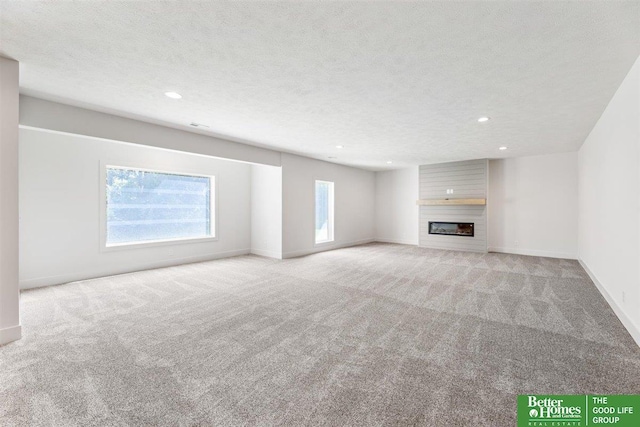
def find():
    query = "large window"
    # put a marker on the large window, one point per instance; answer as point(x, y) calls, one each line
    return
point(324, 211)
point(148, 206)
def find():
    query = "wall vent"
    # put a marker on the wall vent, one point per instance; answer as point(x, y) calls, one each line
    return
point(198, 125)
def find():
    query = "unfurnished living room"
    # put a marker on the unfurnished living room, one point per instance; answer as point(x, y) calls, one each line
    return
point(320, 213)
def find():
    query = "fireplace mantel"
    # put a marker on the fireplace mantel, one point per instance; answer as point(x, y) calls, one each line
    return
point(448, 202)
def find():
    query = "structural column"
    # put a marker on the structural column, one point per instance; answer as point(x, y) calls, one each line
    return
point(10, 329)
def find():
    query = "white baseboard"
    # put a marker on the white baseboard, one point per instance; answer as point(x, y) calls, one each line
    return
point(633, 329)
point(326, 247)
point(533, 252)
point(12, 333)
point(445, 248)
point(86, 275)
point(268, 254)
point(398, 241)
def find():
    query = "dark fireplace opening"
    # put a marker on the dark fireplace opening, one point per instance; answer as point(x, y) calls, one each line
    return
point(451, 228)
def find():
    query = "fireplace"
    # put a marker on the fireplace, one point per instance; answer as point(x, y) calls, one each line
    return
point(464, 229)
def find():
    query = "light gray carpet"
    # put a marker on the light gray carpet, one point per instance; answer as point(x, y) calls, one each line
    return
point(378, 334)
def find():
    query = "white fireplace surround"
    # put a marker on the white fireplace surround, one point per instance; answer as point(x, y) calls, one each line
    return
point(441, 188)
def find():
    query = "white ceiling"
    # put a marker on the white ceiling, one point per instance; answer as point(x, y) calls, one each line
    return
point(390, 81)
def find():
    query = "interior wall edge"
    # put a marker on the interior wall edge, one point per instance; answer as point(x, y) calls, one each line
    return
point(328, 247)
point(632, 328)
point(534, 252)
point(9, 199)
point(10, 334)
point(266, 253)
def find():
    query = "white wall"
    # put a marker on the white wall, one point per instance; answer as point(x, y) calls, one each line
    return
point(533, 205)
point(60, 214)
point(10, 329)
point(266, 211)
point(396, 208)
point(354, 204)
point(354, 209)
point(609, 202)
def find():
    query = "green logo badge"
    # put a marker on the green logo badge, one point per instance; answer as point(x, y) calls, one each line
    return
point(578, 410)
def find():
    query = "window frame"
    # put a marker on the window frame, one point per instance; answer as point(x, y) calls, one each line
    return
point(331, 226)
point(213, 209)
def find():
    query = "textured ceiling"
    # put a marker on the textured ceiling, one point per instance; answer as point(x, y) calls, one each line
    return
point(390, 81)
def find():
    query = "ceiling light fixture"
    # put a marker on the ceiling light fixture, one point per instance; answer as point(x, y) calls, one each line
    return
point(483, 119)
point(339, 146)
point(502, 148)
point(173, 95)
point(389, 162)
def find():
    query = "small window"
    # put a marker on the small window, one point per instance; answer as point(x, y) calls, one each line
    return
point(324, 211)
point(148, 206)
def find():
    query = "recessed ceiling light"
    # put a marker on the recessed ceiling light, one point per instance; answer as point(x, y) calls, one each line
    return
point(339, 146)
point(483, 119)
point(173, 95)
point(502, 148)
point(389, 162)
